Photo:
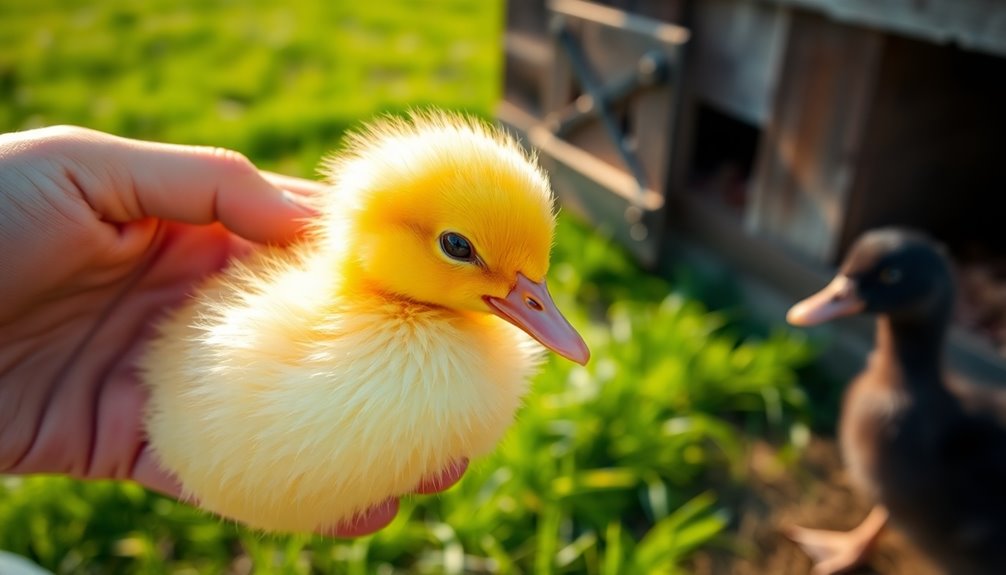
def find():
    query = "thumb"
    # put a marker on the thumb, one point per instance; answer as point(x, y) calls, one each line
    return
point(125, 180)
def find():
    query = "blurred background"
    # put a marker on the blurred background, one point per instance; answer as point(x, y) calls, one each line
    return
point(713, 158)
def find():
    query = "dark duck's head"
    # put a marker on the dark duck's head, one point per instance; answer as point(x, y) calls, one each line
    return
point(888, 272)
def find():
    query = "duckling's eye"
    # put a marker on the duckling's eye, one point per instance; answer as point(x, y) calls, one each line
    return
point(456, 246)
point(890, 276)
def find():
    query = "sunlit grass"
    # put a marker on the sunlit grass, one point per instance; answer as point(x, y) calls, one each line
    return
point(279, 80)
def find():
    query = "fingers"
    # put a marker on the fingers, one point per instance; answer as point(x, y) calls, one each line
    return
point(201, 185)
point(444, 480)
point(380, 516)
point(147, 473)
point(297, 186)
point(150, 475)
point(125, 180)
point(372, 521)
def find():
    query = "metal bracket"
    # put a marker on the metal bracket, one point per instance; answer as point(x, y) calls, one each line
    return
point(610, 122)
point(598, 100)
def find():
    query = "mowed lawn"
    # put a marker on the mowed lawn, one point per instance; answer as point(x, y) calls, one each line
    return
point(613, 468)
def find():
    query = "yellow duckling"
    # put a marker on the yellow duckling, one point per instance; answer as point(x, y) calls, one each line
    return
point(304, 385)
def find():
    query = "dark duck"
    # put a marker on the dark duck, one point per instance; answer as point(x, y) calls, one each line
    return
point(929, 450)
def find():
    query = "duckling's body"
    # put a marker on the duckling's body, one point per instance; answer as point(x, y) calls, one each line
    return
point(935, 463)
point(305, 385)
point(313, 380)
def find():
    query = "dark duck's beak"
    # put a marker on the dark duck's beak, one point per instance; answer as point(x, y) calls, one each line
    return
point(837, 299)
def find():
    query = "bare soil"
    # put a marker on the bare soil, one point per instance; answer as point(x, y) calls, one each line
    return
point(814, 493)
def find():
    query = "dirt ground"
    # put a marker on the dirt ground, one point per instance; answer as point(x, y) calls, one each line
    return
point(819, 495)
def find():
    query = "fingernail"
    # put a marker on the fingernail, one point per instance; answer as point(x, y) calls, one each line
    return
point(292, 198)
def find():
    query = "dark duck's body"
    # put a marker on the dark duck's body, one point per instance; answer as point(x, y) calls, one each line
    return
point(932, 461)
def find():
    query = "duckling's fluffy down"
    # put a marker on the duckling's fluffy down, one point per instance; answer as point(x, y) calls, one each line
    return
point(288, 409)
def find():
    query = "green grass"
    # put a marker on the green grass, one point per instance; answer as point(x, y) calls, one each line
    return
point(617, 467)
point(279, 80)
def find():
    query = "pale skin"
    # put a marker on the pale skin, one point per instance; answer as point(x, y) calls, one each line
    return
point(100, 236)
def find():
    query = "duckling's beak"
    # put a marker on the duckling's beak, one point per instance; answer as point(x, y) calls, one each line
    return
point(530, 307)
point(837, 299)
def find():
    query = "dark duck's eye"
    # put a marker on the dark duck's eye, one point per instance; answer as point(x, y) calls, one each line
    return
point(890, 276)
point(456, 246)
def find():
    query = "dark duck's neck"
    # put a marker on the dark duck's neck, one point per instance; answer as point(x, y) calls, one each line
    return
point(917, 348)
point(915, 339)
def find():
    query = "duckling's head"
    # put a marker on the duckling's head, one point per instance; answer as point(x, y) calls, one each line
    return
point(895, 272)
point(446, 210)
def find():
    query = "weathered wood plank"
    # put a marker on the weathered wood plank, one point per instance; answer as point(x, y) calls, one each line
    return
point(807, 160)
point(973, 24)
point(933, 148)
point(737, 53)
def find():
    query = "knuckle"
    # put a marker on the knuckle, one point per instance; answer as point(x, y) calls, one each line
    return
point(57, 140)
point(67, 132)
point(230, 159)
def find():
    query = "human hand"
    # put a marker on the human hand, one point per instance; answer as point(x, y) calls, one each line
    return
point(100, 236)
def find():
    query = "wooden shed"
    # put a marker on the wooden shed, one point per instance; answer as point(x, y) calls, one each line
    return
point(763, 136)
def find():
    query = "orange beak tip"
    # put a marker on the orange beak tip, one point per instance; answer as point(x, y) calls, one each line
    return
point(837, 299)
point(798, 315)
